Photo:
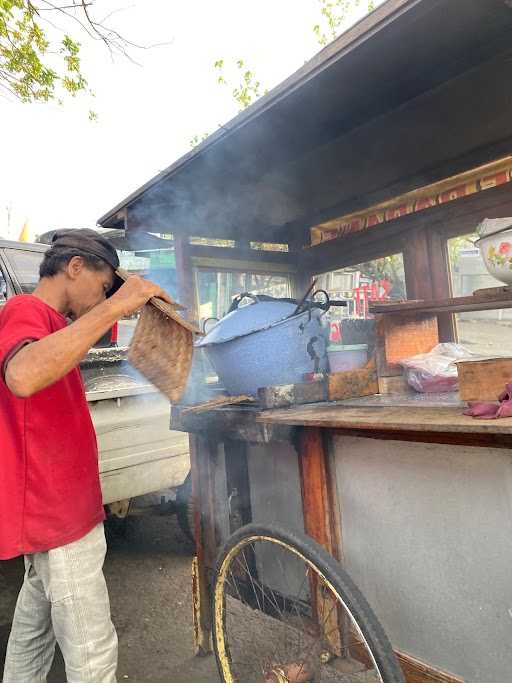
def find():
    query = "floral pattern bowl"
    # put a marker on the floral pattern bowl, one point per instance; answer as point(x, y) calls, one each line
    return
point(496, 251)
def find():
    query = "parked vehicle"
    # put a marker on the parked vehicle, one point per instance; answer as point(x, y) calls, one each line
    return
point(138, 453)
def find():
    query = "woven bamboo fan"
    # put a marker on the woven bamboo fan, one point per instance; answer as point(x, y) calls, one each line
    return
point(161, 347)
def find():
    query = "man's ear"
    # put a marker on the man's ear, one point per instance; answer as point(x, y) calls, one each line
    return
point(74, 267)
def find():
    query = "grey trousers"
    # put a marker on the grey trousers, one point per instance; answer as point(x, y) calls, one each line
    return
point(64, 600)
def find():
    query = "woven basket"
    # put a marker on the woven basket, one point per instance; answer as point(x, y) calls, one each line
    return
point(162, 345)
point(161, 349)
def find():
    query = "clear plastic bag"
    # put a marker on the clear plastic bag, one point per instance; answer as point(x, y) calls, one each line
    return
point(436, 371)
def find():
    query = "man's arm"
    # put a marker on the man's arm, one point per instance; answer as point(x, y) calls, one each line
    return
point(42, 363)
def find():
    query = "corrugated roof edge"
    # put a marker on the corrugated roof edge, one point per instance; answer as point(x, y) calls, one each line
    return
point(360, 32)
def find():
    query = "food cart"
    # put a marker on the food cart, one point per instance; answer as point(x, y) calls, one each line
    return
point(395, 140)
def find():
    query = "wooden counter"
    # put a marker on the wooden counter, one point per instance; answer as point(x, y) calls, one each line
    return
point(398, 418)
point(416, 418)
point(411, 495)
point(437, 419)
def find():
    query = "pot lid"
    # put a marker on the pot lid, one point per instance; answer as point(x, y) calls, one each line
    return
point(252, 317)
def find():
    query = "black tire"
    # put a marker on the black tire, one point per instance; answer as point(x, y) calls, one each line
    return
point(318, 560)
point(185, 508)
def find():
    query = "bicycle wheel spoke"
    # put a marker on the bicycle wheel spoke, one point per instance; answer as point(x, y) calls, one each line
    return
point(250, 578)
point(293, 603)
point(236, 586)
point(283, 620)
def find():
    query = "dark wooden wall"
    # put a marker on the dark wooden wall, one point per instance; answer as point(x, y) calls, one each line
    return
point(422, 239)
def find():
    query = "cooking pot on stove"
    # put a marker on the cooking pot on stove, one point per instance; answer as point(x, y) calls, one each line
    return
point(268, 341)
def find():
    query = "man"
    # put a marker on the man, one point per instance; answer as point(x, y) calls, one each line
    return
point(50, 500)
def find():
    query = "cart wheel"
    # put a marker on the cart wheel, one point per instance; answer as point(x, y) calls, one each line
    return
point(284, 611)
point(185, 508)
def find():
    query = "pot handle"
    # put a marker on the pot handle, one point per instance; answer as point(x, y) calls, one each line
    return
point(239, 298)
point(301, 304)
point(207, 320)
point(328, 302)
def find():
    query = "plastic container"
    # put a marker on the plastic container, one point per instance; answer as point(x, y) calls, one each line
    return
point(343, 357)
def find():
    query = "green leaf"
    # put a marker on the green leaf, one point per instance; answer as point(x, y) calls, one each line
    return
point(25, 51)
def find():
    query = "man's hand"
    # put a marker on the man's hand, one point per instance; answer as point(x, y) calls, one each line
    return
point(134, 293)
point(44, 362)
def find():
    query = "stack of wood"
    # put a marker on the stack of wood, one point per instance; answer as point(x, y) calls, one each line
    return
point(334, 387)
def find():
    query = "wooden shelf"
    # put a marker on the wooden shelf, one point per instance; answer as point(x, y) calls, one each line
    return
point(481, 300)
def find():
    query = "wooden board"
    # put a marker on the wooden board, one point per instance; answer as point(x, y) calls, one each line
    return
point(228, 422)
point(493, 292)
point(484, 380)
point(284, 395)
point(216, 403)
point(416, 671)
point(481, 300)
point(444, 420)
point(336, 386)
point(352, 384)
point(394, 385)
point(403, 337)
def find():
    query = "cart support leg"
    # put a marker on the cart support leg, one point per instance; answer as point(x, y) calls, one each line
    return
point(318, 493)
point(319, 506)
point(202, 461)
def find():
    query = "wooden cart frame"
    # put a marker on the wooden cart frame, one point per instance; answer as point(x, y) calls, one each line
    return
point(393, 139)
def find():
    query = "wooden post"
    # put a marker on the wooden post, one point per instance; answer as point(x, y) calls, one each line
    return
point(320, 522)
point(301, 279)
point(418, 277)
point(202, 463)
point(318, 497)
point(427, 274)
point(185, 277)
point(441, 283)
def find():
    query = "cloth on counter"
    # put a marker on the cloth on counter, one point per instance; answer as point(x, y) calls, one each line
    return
point(491, 411)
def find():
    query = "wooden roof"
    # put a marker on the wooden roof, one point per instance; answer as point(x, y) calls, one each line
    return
point(415, 92)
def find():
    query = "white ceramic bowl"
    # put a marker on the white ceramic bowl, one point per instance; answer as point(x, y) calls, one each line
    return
point(496, 252)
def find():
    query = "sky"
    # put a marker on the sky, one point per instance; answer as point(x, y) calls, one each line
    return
point(60, 170)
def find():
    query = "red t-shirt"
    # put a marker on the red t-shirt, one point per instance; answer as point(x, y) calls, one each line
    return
point(49, 483)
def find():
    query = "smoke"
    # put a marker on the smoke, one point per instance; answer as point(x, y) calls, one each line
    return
point(224, 192)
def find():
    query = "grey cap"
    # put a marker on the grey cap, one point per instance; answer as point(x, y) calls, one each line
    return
point(90, 242)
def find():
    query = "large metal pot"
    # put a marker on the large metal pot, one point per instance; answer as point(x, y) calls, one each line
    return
point(266, 342)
